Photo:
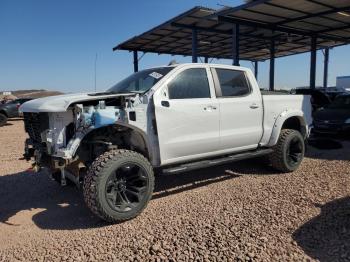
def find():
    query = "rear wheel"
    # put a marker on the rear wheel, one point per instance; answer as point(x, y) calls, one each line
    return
point(3, 119)
point(288, 152)
point(118, 185)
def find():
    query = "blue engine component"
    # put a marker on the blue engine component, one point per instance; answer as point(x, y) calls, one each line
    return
point(100, 115)
point(88, 115)
point(104, 117)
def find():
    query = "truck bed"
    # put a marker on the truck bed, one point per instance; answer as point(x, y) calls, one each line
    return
point(277, 102)
point(268, 92)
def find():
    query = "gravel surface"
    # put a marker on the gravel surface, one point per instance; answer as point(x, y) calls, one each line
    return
point(239, 212)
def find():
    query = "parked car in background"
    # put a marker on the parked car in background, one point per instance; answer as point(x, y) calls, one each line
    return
point(10, 109)
point(318, 98)
point(334, 91)
point(335, 117)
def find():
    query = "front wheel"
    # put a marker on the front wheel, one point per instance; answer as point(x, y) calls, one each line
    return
point(118, 185)
point(288, 152)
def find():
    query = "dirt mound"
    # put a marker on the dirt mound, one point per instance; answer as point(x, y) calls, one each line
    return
point(35, 93)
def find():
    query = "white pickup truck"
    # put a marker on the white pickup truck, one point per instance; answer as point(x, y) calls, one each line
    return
point(170, 119)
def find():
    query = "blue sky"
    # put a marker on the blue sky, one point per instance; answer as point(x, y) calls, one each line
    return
point(52, 44)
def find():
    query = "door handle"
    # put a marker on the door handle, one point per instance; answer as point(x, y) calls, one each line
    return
point(165, 103)
point(209, 108)
point(254, 106)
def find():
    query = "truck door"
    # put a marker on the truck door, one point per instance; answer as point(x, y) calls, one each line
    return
point(241, 112)
point(187, 116)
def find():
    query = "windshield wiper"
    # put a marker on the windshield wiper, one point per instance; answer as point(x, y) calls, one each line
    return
point(102, 93)
point(137, 92)
point(127, 92)
point(115, 92)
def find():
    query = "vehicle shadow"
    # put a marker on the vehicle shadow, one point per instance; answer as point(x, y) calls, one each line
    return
point(176, 183)
point(15, 119)
point(50, 205)
point(328, 148)
point(326, 237)
point(8, 124)
point(54, 207)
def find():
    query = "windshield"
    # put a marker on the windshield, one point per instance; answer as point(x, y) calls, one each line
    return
point(341, 102)
point(140, 82)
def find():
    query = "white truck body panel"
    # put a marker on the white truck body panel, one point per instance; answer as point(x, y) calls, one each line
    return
point(183, 129)
point(61, 103)
point(278, 108)
point(189, 129)
point(240, 118)
point(186, 131)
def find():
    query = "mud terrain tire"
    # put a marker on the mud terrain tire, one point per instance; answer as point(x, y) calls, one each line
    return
point(118, 185)
point(288, 152)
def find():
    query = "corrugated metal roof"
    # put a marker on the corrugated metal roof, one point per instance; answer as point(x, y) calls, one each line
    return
point(290, 23)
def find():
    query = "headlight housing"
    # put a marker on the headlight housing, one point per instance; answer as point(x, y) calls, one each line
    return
point(347, 121)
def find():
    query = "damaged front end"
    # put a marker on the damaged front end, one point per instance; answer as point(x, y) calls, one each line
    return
point(57, 140)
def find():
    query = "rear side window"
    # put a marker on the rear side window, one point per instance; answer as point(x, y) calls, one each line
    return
point(191, 83)
point(232, 82)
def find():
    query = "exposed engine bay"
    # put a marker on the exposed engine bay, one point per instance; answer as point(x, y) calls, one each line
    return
point(67, 142)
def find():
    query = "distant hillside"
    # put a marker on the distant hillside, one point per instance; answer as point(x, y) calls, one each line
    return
point(33, 93)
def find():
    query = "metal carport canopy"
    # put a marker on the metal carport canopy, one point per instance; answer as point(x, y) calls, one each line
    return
point(290, 24)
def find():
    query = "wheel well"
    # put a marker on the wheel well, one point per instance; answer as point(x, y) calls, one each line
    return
point(97, 141)
point(295, 124)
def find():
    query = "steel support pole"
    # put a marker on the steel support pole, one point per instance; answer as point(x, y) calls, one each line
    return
point(325, 68)
point(313, 62)
point(136, 62)
point(256, 69)
point(272, 65)
point(235, 44)
point(206, 60)
point(194, 46)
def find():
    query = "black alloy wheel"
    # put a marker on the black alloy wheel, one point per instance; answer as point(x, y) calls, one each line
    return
point(126, 187)
point(118, 185)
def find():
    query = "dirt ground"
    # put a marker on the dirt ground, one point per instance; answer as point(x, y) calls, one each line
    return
point(239, 212)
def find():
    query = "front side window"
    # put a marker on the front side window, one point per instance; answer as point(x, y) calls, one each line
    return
point(232, 82)
point(191, 83)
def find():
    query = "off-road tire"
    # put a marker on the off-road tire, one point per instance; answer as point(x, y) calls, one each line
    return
point(279, 157)
point(96, 179)
point(3, 119)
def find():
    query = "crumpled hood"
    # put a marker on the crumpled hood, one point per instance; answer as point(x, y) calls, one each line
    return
point(60, 103)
